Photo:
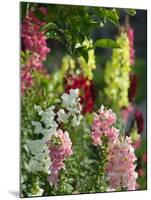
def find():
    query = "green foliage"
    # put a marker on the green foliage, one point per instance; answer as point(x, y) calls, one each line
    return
point(140, 70)
point(49, 26)
point(71, 25)
point(24, 7)
point(106, 43)
point(86, 65)
point(130, 11)
point(111, 14)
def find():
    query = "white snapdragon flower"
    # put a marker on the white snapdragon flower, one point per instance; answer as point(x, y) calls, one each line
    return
point(38, 127)
point(37, 166)
point(38, 109)
point(71, 99)
point(72, 104)
point(47, 117)
point(62, 116)
point(40, 160)
point(38, 147)
point(74, 111)
point(76, 120)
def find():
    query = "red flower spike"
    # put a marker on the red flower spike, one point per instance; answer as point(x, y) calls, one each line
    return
point(139, 120)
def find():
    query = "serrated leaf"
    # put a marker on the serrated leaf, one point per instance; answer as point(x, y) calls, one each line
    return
point(49, 26)
point(106, 43)
point(130, 11)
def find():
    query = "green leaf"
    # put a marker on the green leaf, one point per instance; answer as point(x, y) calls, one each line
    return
point(130, 11)
point(50, 25)
point(81, 37)
point(111, 15)
point(106, 43)
point(24, 9)
point(84, 53)
point(85, 56)
point(39, 15)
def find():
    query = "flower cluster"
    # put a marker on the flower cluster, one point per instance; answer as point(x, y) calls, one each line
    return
point(117, 74)
point(60, 148)
point(86, 88)
point(103, 125)
point(71, 102)
point(26, 80)
point(34, 41)
point(120, 169)
point(130, 33)
point(49, 152)
point(40, 160)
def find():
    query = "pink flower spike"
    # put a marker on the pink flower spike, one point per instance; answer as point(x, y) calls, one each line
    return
point(58, 153)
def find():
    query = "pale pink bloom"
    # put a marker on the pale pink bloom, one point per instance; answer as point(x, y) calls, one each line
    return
point(121, 167)
point(102, 125)
point(137, 143)
point(126, 112)
point(26, 80)
point(58, 154)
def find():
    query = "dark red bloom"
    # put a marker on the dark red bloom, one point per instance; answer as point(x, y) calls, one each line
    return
point(139, 121)
point(86, 88)
point(133, 86)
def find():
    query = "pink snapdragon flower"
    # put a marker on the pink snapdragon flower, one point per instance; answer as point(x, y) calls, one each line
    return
point(125, 112)
point(121, 168)
point(130, 33)
point(34, 41)
point(26, 80)
point(102, 125)
point(137, 143)
point(58, 154)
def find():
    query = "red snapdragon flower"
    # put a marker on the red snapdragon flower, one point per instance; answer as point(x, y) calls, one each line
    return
point(133, 86)
point(139, 121)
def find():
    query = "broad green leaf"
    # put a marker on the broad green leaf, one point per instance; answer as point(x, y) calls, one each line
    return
point(106, 43)
point(48, 26)
point(130, 11)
